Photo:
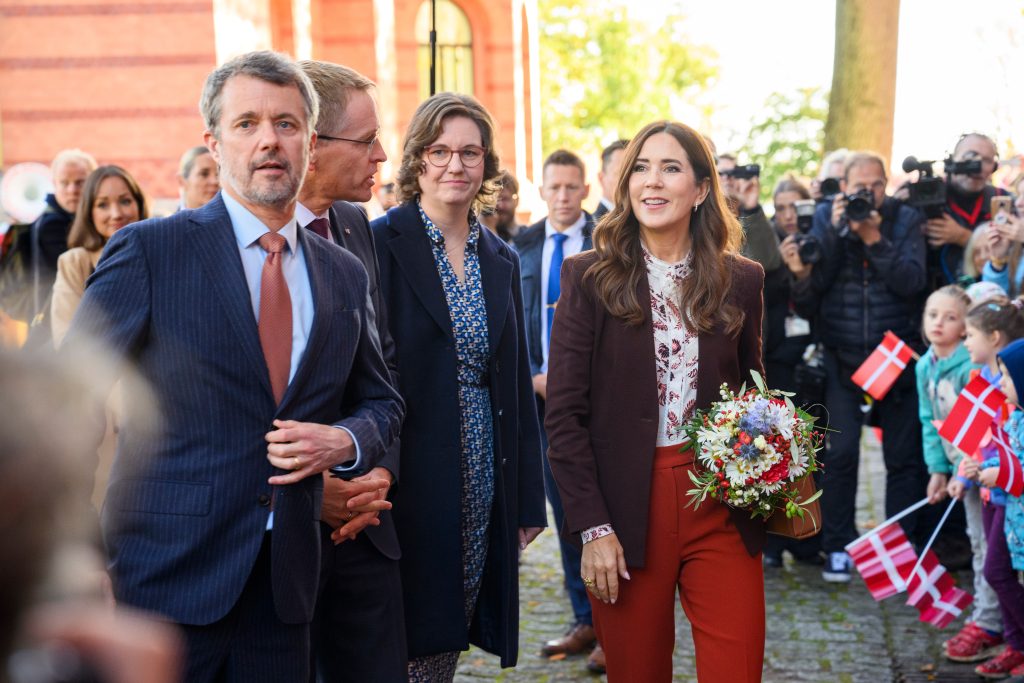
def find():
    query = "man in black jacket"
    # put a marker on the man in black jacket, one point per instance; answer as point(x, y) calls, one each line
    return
point(869, 280)
point(968, 204)
point(358, 630)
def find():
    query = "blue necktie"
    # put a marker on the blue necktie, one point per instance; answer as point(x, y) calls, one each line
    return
point(554, 273)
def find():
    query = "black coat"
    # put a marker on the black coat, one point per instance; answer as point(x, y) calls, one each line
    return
point(427, 500)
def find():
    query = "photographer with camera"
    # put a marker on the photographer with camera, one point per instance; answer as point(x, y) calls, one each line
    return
point(742, 187)
point(955, 213)
point(787, 336)
point(868, 280)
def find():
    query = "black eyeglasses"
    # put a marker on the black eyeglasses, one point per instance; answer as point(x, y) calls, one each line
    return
point(369, 143)
point(442, 156)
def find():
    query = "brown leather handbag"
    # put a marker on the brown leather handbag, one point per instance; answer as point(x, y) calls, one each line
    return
point(798, 527)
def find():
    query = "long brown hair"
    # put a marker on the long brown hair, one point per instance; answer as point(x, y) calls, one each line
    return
point(83, 231)
point(715, 236)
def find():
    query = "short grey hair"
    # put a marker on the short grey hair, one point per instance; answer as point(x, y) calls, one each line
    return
point(334, 83)
point(188, 160)
point(265, 65)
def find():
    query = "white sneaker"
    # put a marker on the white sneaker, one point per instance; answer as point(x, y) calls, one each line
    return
point(837, 568)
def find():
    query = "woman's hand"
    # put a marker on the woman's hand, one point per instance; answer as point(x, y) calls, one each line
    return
point(527, 534)
point(937, 487)
point(603, 563)
point(790, 251)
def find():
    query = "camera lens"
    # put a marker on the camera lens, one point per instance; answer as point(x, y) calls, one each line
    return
point(829, 187)
point(859, 206)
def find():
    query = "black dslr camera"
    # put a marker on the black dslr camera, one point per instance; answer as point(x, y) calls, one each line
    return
point(829, 188)
point(744, 172)
point(807, 246)
point(859, 205)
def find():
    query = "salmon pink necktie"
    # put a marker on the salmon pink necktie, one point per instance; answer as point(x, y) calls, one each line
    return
point(275, 324)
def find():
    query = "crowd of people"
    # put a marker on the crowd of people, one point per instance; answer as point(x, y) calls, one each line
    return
point(360, 422)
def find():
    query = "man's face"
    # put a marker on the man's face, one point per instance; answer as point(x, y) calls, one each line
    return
point(970, 148)
point(344, 169)
point(727, 182)
point(609, 176)
point(867, 175)
point(264, 142)
point(68, 181)
point(505, 209)
point(563, 191)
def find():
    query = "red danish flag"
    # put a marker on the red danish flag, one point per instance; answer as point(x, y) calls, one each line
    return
point(978, 405)
point(1011, 474)
point(884, 559)
point(879, 372)
point(932, 591)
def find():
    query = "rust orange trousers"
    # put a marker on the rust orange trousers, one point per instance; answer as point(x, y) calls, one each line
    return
point(721, 589)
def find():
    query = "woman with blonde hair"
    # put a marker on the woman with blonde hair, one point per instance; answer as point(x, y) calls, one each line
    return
point(649, 325)
point(470, 494)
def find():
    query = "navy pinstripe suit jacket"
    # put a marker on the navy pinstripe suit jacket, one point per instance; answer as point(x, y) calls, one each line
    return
point(186, 508)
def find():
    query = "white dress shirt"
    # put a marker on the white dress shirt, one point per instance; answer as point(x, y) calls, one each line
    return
point(304, 216)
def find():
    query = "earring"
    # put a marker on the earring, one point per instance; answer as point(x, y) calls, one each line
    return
point(696, 206)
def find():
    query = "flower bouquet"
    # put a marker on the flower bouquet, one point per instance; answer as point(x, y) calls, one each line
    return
point(754, 449)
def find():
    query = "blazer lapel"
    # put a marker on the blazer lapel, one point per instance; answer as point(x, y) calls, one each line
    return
point(338, 231)
point(323, 301)
point(496, 277)
point(411, 250)
point(214, 244)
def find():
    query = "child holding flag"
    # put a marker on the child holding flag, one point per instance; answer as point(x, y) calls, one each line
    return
point(991, 325)
point(1006, 549)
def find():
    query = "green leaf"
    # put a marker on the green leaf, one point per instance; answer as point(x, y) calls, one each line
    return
point(759, 381)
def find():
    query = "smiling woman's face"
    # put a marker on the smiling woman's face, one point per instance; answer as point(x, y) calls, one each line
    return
point(662, 185)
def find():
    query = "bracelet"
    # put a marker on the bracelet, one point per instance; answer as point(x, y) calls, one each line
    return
point(596, 532)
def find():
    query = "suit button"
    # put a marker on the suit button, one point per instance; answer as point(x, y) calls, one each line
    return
point(263, 500)
point(501, 411)
point(504, 461)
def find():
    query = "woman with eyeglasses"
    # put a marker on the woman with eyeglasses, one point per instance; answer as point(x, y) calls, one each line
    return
point(471, 492)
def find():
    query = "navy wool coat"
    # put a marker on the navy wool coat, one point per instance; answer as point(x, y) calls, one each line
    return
point(427, 507)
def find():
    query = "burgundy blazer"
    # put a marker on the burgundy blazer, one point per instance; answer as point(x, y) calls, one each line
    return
point(602, 402)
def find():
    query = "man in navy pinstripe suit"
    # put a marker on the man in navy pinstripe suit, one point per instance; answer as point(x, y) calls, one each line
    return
point(213, 521)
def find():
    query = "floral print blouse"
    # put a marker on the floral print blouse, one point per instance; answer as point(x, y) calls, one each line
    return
point(675, 348)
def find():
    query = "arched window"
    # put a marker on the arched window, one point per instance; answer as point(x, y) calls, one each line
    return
point(454, 49)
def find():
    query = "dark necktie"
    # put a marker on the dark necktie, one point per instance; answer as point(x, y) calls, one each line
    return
point(321, 226)
point(275, 325)
point(554, 273)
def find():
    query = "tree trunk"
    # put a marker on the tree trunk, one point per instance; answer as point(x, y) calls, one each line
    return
point(863, 98)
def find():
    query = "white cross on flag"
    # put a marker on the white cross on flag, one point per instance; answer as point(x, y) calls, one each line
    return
point(879, 372)
point(1011, 476)
point(884, 559)
point(932, 591)
point(977, 406)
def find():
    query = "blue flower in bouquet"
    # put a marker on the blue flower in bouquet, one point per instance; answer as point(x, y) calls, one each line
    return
point(749, 452)
point(757, 420)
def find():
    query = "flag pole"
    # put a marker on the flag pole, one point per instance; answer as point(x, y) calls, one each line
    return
point(928, 545)
point(895, 518)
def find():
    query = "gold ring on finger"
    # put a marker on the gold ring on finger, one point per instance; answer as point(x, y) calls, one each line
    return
point(297, 463)
point(589, 582)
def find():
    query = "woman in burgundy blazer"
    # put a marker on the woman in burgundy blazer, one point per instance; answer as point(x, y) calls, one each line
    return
point(648, 327)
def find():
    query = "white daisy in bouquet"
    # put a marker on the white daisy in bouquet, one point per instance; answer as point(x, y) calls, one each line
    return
point(752, 449)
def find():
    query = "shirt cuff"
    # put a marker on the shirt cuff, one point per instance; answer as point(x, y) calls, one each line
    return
point(352, 465)
point(596, 532)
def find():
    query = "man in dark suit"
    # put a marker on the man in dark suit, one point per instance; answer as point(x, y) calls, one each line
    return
point(258, 340)
point(608, 176)
point(542, 247)
point(359, 628)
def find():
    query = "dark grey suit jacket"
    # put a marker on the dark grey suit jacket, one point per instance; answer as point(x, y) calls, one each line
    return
point(351, 229)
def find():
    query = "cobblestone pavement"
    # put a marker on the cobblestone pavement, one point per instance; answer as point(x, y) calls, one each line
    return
point(825, 633)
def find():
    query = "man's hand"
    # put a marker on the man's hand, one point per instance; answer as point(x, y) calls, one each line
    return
point(945, 230)
point(790, 251)
point(749, 193)
point(361, 509)
point(838, 209)
point(306, 449)
point(540, 385)
point(868, 230)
